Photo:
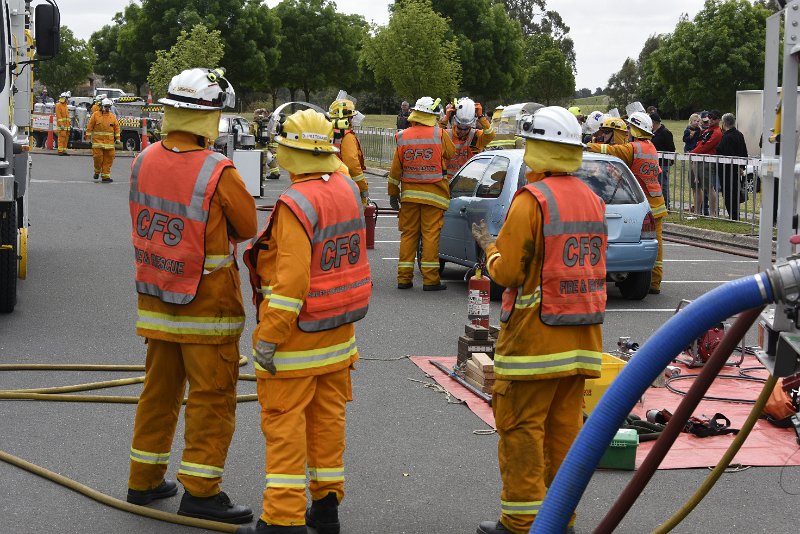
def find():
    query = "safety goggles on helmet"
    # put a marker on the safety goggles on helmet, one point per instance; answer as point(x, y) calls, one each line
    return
point(200, 89)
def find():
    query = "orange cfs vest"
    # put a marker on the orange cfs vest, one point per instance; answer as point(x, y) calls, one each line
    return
point(463, 152)
point(338, 137)
point(169, 202)
point(330, 211)
point(573, 275)
point(645, 167)
point(420, 150)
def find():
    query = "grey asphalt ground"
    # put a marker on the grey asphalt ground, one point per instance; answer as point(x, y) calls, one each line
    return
point(414, 464)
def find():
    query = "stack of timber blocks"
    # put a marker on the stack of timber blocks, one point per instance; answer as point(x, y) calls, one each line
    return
point(477, 339)
point(480, 372)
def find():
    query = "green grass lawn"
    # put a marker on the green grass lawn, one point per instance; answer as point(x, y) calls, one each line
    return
point(380, 121)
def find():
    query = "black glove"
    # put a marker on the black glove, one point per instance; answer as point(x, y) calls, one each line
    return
point(394, 202)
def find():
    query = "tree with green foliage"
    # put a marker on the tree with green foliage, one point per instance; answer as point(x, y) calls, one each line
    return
point(197, 47)
point(549, 77)
point(489, 46)
point(70, 68)
point(536, 19)
point(705, 61)
point(413, 54)
point(250, 33)
point(622, 85)
point(320, 47)
point(650, 91)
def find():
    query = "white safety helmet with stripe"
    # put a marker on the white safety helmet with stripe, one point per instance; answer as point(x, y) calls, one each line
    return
point(106, 103)
point(642, 121)
point(427, 104)
point(200, 89)
point(552, 123)
point(465, 112)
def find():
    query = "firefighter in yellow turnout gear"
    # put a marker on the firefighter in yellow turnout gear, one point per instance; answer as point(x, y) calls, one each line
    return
point(642, 157)
point(310, 273)
point(103, 129)
point(467, 139)
point(342, 113)
point(418, 187)
point(550, 337)
point(63, 124)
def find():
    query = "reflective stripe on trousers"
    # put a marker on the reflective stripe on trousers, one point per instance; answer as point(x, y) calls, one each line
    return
point(184, 324)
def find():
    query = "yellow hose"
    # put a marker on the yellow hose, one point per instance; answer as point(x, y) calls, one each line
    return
point(59, 394)
point(115, 503)
point(734, 447)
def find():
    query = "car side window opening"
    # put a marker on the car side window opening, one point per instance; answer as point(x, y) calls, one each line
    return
point(491, 184)
point(611, 181)
point(464, 183)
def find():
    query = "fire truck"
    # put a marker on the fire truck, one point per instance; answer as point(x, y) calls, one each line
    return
point(21, 27)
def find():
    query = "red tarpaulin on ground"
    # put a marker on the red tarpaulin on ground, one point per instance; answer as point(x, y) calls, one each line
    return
point(765, 446)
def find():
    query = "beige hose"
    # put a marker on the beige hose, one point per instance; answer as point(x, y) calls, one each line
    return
point(734, 447)
point(59, 394)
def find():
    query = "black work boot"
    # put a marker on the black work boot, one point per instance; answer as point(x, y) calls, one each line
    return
point(216, 508)
point(405, 285)
point(263, 528)
point(492, 527)
point(323, 515)
point(167, 488)
point(435, 287)
point(96, 176)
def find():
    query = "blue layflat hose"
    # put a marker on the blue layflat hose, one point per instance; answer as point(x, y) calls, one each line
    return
point(675, 335)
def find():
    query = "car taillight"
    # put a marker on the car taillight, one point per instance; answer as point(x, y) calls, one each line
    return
point(649, 226)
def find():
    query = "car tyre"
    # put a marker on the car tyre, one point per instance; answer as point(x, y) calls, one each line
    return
point(635, 286)
point(8, 258)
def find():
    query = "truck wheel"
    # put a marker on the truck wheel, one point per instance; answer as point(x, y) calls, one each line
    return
point(131, 142)
point(8, 258)
point(636, 286)
point(37, 140)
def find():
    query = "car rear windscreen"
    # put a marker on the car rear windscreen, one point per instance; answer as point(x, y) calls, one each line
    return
point(611, 180)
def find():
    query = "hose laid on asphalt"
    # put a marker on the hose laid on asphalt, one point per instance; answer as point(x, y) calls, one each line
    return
point(59, 394)
point(734, 447)
point(583, 457)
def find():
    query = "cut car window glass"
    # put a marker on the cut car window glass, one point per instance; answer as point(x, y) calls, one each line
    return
point(610, 180)
point(464, 183)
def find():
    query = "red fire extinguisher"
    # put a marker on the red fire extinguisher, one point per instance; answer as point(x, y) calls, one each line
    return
point(371, 218)
point(478, 298)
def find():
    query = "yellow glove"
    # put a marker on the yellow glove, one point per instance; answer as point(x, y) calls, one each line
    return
point(118, 144)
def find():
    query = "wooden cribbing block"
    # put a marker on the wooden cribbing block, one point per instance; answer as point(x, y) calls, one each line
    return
point(472, 381)
point(476, 332)
point(484, 362)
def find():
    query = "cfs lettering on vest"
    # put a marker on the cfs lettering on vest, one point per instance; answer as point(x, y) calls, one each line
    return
point(334, 250)
point(171, 229)
point(576, 250)
point(410, 154)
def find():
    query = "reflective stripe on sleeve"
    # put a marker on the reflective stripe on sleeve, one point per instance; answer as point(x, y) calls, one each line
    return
point(200, 470)
point(281, 302)
point(529, 301)
point(215, 262)
point(394, 181)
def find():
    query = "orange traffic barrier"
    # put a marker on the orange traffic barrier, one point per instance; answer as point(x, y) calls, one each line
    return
point(145, 140)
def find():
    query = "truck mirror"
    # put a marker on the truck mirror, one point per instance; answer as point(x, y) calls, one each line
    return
point(48, 30)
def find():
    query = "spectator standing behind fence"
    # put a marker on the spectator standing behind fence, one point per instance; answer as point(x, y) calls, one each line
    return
point(709, 140)
point(664, 142)
point(402, 116)
point(691, 136)
point(731, 144)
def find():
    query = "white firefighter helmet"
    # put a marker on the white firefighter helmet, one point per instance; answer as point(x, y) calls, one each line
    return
point(642, 121)
point(65, 94)
point(465, 112)
point(552, 123)
point(593, 121)
point(427, 104)
point(199, 89)
point(106, 103)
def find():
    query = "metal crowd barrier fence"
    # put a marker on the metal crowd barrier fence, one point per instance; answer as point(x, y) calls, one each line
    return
point(378, 144)
point(718, 187)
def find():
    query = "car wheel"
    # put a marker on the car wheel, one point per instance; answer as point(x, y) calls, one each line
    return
point(131, 143)
point(635, 286)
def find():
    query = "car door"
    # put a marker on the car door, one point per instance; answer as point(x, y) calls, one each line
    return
point(462, 193)
point(489, 203)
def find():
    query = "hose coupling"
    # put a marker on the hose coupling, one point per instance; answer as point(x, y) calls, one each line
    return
point(784, 277)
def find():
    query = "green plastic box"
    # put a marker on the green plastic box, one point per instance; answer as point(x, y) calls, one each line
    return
point(621, 453)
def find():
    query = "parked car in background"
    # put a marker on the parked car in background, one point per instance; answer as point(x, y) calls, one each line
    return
point(486, 184)
point(238, 128)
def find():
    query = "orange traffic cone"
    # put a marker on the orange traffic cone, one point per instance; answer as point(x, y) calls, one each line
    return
point(50, 140)
point(149, 97)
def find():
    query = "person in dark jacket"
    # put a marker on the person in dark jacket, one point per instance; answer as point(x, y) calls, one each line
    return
point(731, 144)
point(663, 141)
point(402, 116)
point(691, 135)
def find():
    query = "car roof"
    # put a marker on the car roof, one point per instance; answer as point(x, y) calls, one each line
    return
point(517, 153)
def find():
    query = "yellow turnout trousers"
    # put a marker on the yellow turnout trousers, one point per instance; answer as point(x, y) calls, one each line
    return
point(103, 158)
point(212, 372)
point(537, 421)
point(303, 420)
point(658, 267)
point(415, 220)
point(63, 140)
